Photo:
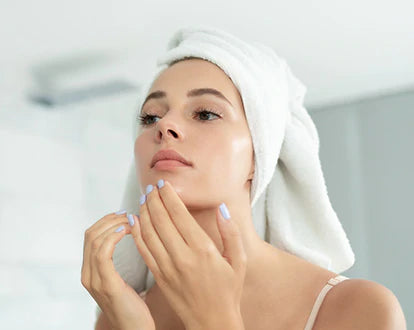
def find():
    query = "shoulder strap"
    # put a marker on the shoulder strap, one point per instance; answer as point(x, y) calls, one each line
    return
point(331, 283)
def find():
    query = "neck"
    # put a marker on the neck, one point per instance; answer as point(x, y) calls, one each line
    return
point(255, 247)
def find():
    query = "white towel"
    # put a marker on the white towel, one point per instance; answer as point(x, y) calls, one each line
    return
point(290, 205)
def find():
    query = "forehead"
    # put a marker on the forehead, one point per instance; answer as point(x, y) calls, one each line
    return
point(196, 73)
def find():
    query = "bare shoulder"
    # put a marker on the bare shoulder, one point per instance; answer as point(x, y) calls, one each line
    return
point(360, 304)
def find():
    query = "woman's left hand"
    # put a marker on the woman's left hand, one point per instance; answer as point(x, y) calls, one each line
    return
point(197, 280)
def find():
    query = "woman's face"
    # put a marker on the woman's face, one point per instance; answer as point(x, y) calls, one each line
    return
point(218, 144)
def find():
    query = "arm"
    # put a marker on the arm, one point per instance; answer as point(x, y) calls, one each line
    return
point(228, 321)
point(102, 323)
point(360, 304)
point(379, 308)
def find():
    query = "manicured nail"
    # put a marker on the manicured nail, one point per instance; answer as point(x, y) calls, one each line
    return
point(131, 219)
point(142, 199)
point(160, 183)
point(150, 187)
point(120, 228)
point(224, 211)
point(121, 211)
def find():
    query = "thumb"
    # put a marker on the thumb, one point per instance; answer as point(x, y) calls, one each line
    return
point(233, 250)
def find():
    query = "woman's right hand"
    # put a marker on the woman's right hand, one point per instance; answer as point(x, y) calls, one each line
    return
point(120, 303)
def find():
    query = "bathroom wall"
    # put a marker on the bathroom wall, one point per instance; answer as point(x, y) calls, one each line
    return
point(61, 170)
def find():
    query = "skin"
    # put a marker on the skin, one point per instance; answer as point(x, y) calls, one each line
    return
point(276, 293)
point(220, 149)
point(226, 177)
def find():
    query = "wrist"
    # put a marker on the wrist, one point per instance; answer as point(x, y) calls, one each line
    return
point(228, 321)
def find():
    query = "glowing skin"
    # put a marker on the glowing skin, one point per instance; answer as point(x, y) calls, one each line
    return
point(279, 288)
point(220, 147)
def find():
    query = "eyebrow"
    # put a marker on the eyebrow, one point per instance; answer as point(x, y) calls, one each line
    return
point(190, 93)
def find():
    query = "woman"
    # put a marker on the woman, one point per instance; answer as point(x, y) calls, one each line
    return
point(196, 230)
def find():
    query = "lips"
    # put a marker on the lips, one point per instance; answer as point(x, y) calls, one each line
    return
point(169, 154)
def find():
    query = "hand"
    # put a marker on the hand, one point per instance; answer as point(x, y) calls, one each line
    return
point(123, 307)
point(195, 278)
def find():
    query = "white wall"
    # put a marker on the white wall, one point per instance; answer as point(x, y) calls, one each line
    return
point(340, 49)
point(61, 170)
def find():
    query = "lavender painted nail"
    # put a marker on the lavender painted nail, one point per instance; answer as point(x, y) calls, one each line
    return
point(224, 211)
point(131, 219)
point(150, 187)
point(142, 199)
point(120, 228)
point(120, 211)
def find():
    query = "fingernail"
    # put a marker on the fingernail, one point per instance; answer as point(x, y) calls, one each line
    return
point(160, 183)
point(120, 228)
point(150, 187)
point(142, 199)
point(120, 211)
point(224, 211)
point(131, 219)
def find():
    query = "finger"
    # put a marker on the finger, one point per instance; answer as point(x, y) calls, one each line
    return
point(142, 247)
point(119, 227)
point(101, 226)
point(106, 222)
point(233, 249)
point(104, 254)
point(85, 270)
point(152, 240)
point(95, 231)
point(189, 229)
point(163, 225)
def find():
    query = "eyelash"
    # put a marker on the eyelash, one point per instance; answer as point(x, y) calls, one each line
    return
point(143, 117)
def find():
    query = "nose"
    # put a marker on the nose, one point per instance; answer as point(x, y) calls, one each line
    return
point(168, 129)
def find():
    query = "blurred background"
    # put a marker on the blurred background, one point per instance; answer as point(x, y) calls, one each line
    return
point(70, 73)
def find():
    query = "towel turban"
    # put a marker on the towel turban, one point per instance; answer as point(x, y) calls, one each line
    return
point(289, 200)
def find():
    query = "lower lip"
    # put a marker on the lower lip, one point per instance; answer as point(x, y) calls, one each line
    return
point(168, 164)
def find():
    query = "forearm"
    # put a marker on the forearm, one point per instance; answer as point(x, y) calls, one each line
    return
point(219, 322)
point(103, 323)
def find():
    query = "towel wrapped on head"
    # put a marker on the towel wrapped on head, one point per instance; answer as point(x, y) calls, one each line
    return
point(289, 200)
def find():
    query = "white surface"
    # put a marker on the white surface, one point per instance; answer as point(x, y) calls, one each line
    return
point(60, 172)
point(340, 49)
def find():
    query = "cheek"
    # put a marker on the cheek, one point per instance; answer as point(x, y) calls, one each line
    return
point(241, 148)
point(141, 150)
point(231, 156)
point(138, 147)
point(240, 156)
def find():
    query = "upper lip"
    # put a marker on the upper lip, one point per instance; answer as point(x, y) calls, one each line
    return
point(169, 154)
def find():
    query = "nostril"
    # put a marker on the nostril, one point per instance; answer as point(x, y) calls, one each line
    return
point(173, 133)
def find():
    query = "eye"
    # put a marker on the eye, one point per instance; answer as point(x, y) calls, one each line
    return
point(201, 111)
point(207, 112)
point(143, 118)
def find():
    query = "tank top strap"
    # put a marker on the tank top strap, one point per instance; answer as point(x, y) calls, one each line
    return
point(331, 283)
